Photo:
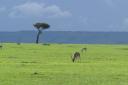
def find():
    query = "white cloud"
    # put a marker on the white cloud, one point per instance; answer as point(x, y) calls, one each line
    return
point(34, 9)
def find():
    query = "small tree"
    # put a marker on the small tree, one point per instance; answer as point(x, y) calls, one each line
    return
point(40, 27)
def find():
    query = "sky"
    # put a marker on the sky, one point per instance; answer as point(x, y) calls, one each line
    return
point(64, 15)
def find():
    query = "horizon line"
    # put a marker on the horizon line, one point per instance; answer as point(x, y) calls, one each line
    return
point(62, 31)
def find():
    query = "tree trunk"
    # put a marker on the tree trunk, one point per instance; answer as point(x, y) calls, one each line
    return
point(38, 35)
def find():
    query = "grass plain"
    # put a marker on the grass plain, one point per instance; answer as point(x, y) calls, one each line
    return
point(50, 64)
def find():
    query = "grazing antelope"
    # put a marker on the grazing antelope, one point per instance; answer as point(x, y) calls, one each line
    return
point(18, 43)
point(83, 49)
point(75, 56)
point(1, 46)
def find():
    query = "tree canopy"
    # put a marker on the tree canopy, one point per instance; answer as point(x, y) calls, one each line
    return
point(39, 25)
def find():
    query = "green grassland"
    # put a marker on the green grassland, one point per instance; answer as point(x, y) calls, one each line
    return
point(31, 64)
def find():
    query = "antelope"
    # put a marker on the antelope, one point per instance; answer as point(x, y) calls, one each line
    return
point(1, 46)
point(18, 43)
point(75, 56)
point(83, 49)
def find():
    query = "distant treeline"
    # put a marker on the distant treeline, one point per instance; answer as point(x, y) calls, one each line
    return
point(79, 37)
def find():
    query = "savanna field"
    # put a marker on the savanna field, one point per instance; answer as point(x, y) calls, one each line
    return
point(51, 64)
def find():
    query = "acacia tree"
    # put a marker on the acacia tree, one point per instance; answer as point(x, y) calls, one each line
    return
point(40, 27)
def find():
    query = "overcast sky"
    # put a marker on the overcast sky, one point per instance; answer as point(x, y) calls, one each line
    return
point(67, 15)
